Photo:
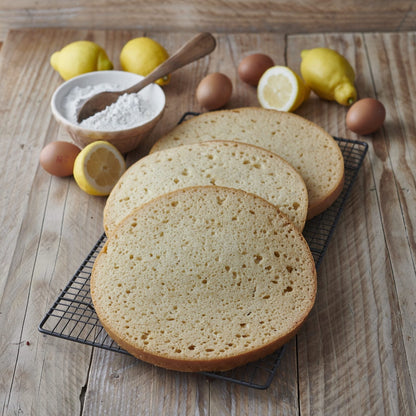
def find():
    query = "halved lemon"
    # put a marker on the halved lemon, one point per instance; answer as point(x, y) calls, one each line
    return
point(280, 88)
point(98, 167)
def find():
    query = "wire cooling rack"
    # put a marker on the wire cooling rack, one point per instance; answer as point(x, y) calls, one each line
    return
point(72, 316)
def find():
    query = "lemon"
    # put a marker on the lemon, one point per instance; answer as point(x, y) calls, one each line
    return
point(329, 75)
point(280, 88)
point(98, 167)
point(79, 58)
point(142, 55)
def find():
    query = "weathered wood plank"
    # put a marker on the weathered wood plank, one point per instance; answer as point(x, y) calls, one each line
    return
point(358, 340)
point(300, 16)
point(395, 173)
point(280, 398)
point(41, 217)
point(409, 20)
point(142, 389)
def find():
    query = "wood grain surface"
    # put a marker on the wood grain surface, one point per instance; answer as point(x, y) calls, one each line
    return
point(356, 353)
point(296, 16)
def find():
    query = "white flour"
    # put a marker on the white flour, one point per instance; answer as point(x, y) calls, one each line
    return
point(128, 111)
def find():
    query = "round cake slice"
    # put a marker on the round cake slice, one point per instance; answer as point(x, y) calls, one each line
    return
point(204, 279)
point(306, 146)
point(221, 163)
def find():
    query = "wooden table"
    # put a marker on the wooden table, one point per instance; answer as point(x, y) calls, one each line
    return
point(356, 353)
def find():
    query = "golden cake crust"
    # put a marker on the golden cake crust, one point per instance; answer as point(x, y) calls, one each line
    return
point(222, 163)
point(305, 145)
point(204, 279)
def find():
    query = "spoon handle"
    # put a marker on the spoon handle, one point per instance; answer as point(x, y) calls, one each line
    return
point(199, 46)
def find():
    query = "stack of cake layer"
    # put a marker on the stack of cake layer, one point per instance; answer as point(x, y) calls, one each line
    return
point(205, 267)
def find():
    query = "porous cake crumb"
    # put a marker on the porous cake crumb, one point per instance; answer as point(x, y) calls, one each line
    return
point(204, 279)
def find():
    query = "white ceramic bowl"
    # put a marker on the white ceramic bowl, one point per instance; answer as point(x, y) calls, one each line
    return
point(125, 140)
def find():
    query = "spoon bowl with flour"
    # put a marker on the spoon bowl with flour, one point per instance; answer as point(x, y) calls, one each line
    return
point(124, 123)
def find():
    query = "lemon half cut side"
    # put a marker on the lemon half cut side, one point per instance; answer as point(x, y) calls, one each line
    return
point(280, 88)
point(98, 167)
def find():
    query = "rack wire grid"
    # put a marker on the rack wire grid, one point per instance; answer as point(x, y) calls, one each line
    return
point(72, 316)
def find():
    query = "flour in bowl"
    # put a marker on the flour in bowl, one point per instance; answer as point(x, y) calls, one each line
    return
point(129, 111)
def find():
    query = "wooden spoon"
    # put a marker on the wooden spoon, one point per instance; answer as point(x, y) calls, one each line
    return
point(199, 46)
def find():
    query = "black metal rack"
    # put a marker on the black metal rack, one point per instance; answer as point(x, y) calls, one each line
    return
point(72, 315)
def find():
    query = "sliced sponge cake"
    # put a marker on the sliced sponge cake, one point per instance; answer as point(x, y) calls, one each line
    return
point(306, 146)
point(204, 279)
point(221, 163)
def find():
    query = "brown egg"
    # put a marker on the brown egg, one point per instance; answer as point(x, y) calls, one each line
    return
point(214, 91)
point(252, 67)
point(58, 158)
point(366, 116)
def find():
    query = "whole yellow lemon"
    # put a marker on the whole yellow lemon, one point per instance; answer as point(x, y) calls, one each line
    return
point(142, 55)
point(79, 58)
point(329, 75)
